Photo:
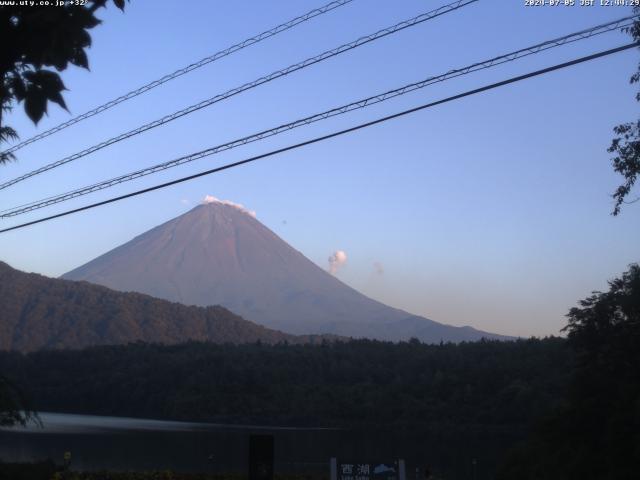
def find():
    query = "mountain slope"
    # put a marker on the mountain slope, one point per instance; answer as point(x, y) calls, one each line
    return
point(38, 312)
point(218, 253)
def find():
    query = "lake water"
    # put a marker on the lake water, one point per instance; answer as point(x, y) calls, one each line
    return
point(116, 443)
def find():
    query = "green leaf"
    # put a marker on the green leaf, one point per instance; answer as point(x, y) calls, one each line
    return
point(98, 4)
point(49, 81)
point(7, 133)
point(80, 59)
point(18, 87)
point(119, 4)
point(57, 98)
point(35, 104)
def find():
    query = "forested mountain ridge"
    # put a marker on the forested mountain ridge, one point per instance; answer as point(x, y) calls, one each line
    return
point(39, 312)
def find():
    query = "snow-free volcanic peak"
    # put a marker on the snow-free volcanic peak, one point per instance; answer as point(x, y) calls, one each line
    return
point(219, 253)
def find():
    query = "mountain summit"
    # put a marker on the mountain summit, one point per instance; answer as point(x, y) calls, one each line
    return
point(219, 254)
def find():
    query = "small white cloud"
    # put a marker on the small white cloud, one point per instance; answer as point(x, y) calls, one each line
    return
point(185, 201)
point(336, 261)
point(211, 199)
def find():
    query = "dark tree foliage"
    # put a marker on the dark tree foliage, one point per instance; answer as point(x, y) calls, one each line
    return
point(34, 40)
point(14, 408)
point(486, 386)
point(596, 434)
point(626, 145)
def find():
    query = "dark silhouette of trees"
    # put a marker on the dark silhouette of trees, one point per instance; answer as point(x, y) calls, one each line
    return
point(626, 145)
point(34, 40)
point(14, 408)
point(487, 386)
point(595, 434)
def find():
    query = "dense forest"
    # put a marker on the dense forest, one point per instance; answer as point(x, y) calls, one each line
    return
point(595, 432)
point(484, 385)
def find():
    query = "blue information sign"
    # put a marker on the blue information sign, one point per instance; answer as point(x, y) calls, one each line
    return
point(367, 471)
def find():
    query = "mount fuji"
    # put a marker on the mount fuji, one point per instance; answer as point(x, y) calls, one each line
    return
point(218, 253)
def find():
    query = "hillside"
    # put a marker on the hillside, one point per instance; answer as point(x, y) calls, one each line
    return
point(37, 312)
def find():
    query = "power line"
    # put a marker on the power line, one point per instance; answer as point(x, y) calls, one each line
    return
point(247, 86)
point(360, 104)
point(182, 71)
point(331, 135)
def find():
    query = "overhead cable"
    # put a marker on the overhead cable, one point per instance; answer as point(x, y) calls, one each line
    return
point(359, 104)
point(328, 136)
point(182, 71)
point(235, 91)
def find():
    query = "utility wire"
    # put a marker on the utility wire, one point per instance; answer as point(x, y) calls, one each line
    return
point(331, 135)
point(272, 76)
point(182, 71)
point(360, 104)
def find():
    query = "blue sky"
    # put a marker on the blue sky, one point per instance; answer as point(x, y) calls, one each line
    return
point(492, 211)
